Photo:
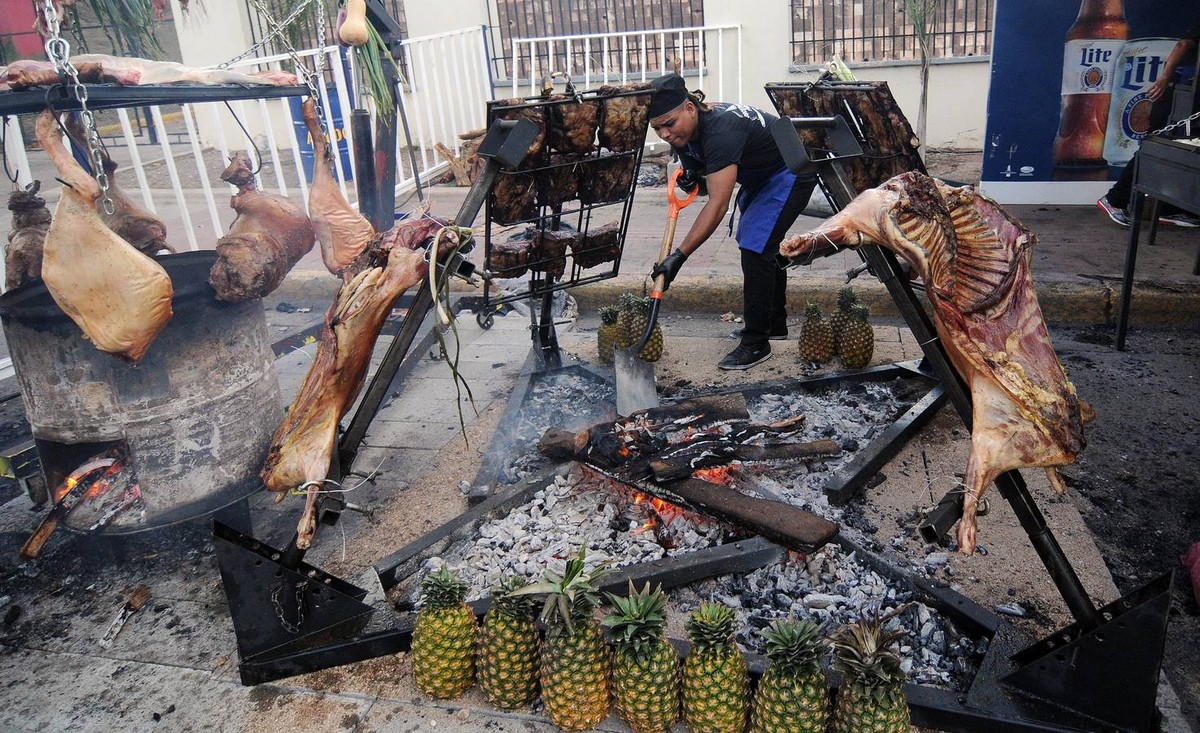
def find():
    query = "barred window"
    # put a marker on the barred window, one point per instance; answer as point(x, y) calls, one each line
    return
point(879, 30)
point(516, 19)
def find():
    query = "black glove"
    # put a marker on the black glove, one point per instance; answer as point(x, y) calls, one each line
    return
point(689, 179)
point(669, 267)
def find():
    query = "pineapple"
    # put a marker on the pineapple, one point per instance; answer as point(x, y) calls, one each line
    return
point(635, 315)
point(792, 694)
point(816, 337)
point(575, 663)
point(606, 335)
point(715, 682)
point(443, 642)
point(857, 342)
point(506, 657)
point(871, 697)
point(846, 299)
point(645, 669)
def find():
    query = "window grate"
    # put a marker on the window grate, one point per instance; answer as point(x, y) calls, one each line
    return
point(878, 30)
point(516, 19)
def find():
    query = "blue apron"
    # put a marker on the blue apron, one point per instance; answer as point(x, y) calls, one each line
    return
point(760, 207)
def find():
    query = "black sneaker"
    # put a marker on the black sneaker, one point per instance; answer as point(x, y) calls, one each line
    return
point(744, 357)
point(775, 336)
point(1117, 215)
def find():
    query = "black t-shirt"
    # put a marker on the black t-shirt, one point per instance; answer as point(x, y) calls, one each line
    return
point(734, 134)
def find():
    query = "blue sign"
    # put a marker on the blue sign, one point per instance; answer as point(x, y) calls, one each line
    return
point(339, 135)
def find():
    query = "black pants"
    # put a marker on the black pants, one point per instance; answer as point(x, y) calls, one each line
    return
point(764, 283)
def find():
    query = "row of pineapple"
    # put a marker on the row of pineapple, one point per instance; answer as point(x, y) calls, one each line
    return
point(622, 325)
point(845, 333)
point(577, 670)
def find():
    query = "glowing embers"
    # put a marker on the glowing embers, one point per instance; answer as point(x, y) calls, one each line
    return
point(100, 489)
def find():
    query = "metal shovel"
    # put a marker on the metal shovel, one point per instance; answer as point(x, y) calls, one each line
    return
point(635, 387)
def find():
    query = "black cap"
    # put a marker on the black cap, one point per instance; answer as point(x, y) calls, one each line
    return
point(669, 92)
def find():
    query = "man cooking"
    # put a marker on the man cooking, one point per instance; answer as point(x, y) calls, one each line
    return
point(720, 145)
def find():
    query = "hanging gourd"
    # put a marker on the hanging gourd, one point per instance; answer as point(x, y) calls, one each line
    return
point(353, 31)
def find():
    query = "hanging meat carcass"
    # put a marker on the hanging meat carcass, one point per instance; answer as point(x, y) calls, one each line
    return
point(30, 222)
point(119, 297)
point(343, 232)
point(99, 68)
point(130, 222)
point(303, 446)
point(975, 260)
point(269, 236)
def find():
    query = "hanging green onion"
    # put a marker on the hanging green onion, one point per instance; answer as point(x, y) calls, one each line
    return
point(371, 57)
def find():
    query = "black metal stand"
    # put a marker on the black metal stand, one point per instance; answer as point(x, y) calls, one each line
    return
point(1098, 674)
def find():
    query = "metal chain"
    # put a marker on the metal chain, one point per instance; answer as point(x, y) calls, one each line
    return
point(308, 77)
point(1174, 125)
point(271, 35)
point(288, 625)
point(59, 53)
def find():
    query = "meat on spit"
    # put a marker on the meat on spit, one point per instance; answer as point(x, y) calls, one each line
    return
point(131, 222)
point(975, 261)
point(269, 236)
point(302, 448)
point(30, 222)
point(343, 232)
point(96, 68)
point(119, 297)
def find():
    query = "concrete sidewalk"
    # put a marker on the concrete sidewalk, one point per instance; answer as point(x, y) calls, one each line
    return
point(1078, 264)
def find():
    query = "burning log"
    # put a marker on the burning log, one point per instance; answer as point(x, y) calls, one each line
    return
point(74, 491)
point(638, 453)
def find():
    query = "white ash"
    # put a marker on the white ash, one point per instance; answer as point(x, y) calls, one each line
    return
point(568, 399)
point(580, 509)
point(833, 589)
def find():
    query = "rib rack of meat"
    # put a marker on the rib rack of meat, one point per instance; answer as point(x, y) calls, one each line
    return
point(269, 236)
point(303, 446)
point(343, 232)
point(974, 259)
point(119, 297)
point(30, 222)
point(625, 117)
point(131, 222)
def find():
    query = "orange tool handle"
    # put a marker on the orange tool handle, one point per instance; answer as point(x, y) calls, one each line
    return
point(674, 206)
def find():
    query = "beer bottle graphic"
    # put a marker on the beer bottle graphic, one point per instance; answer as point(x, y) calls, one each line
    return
point(1090, 55)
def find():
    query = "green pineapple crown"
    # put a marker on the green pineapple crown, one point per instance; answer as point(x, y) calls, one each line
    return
point(634, 303)
point(846, 299)
point(637, 624)
point(861, 653)
point(504, 601)
point(711, 627)
point(795, 647)
point(859, 312)
point(442, 589)
point(570, 597)
point(609, 313)
point(813, 311)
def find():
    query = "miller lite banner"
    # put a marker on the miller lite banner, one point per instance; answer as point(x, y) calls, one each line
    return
point(1067, 105)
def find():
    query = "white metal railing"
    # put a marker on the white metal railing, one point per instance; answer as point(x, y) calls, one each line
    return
point(628, 56)
point(447, 96)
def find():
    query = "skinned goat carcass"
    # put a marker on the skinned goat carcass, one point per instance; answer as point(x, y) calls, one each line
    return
point(269, 236)
point(343, 232)
point(974, 259)
point(30, 222)
point(302, 448)
point(129, 221)
point(96, 68)
point(119, 297)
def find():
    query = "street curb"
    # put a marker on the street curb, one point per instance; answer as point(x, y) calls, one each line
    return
point(1086, 302)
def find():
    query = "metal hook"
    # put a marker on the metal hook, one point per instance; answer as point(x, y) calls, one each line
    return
point(15, 176)
point(257, 152)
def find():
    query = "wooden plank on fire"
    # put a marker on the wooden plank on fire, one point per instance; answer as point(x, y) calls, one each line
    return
point(783, 523)
point(714, 408)
point(672, 470)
